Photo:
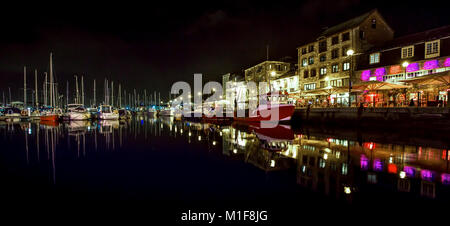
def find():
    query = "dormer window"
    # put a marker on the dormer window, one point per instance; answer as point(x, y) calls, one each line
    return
point(432, 49)
point(374, 58)
point(407, 51)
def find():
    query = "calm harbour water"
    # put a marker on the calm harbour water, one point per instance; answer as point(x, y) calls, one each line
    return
point(168, 166)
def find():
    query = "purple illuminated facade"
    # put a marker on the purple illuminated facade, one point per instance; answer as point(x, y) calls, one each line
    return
point(427, 175)
point(447, 62)
point(377, 165)
point(412, 67)
point(409, 171)
point(431, 64)
point(379, 72)
point(364, 162)
point(365, 75)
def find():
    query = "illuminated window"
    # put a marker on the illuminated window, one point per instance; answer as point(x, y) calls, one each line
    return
point(346, 66)
point(374, 58)
point(323, 71)
point(407, 51)
point(335, 68)
point(305, 62)
point(310, 86)
point(311, 60)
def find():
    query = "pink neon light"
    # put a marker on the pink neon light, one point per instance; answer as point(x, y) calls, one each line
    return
point(447, 62)
point(379, 72)
point(377, 165)
point(427, 175)
point(431, 64)
point(412, 67)
point(445, 178)
point(365, 75)
point(409, 171)
point(364, 162)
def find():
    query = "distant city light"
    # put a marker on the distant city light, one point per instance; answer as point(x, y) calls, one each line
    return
point(347, 190)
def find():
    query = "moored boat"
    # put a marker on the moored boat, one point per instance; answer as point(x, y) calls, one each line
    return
point(77, 112)
point(106, 112)
point(274, 103)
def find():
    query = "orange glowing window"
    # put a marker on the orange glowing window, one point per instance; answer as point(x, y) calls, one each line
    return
point(396, 69)
point(392, 168)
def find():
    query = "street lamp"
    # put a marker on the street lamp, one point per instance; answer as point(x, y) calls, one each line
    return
point(273, 73)
point(350, 53)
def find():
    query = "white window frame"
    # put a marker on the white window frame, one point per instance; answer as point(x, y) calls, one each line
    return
point(374, 58)
point(406, 53)
point(435, 53)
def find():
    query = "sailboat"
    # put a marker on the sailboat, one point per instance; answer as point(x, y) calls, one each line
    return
point(77, 112)
point(52, 114)
point(106, 112)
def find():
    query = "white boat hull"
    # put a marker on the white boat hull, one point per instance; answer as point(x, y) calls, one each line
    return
point(78, 116)
point(109, 116)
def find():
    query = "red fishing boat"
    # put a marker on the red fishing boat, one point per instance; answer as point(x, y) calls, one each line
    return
point(275, 102)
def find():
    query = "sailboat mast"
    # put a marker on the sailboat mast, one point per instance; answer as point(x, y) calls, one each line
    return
point(67, 92)
point(25, 87)
point(94, 94)
point(36, 96)
point(82, 90)
point(112, 93)
point(45, 89)
point(77, 96)
point(120, 100)
point(51, 81)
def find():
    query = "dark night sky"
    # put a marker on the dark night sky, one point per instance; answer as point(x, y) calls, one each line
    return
point(155, 44)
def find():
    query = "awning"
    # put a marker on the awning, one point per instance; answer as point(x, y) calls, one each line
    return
point(377, 85)
point(326, 91)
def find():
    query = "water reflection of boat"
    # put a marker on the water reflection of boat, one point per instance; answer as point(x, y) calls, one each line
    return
point(49, 123)
point(107, 126)
point(75, 127)
point(274, 139)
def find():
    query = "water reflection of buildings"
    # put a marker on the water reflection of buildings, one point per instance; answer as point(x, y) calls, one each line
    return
point(339, 167)
point(334, 166)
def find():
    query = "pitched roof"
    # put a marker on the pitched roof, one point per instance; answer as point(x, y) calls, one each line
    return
point(415, 38)
point(347, 24)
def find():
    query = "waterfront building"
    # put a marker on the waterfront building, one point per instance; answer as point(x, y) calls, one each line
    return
point(421, 60)
point(266, 71)
point(324, 62)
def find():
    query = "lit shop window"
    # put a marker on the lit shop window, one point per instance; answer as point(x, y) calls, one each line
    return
point(310, 86)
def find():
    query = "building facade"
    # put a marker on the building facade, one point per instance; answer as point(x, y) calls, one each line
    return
point(406, 59)
point(324, 62)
